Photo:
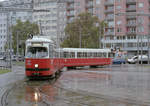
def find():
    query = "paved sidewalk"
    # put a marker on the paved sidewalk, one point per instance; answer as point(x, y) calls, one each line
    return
point(7, 79)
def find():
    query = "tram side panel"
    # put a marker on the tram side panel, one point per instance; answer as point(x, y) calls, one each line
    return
point(69, 62)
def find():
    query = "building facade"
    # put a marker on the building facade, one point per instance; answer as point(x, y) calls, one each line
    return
point(52, 21)
point(3, 30)
point(124, 30)
point(9, 16)
point(128, 24)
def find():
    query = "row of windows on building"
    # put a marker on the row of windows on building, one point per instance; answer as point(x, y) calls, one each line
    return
point(3, 31)
point(2, 43)
point(14, 2)
point(1, 48)
point(132, 29)
point(2, 25)
point(45, 4)
point(46, 16)
point(49, 27)
point(144, 44)
point(46, 23)
point(3, 14)
point(2, 37)
point(22, 18)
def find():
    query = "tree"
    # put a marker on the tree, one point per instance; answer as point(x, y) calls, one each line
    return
point(21, 31)
point(84, 31)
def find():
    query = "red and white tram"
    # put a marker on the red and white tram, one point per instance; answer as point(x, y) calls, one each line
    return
point(41, 57)
point(86, 57)
point(44, 59)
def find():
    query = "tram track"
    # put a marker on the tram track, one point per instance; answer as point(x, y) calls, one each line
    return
point(59, 98)
point(74, 100)
point(5, 95)
point(81, 94)
point(65, 100)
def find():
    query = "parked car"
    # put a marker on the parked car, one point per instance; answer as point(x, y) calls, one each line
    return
point(20, 58)
point(118, 61)
point(2, 57)
point(14, 58)
point(140, 58)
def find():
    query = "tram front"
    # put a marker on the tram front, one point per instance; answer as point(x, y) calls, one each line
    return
point(37, 57)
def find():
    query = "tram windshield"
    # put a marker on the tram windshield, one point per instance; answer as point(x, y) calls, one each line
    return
point(37, 52)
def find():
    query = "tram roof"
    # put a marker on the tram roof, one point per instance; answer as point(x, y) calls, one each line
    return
point(40, 39)
point(85, 50)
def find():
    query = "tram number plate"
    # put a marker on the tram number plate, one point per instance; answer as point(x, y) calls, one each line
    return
point(36, 74)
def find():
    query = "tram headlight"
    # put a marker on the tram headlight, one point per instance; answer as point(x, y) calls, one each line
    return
point(36, 65)
point(36, 96)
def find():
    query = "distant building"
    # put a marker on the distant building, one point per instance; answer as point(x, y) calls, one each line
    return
point(9, 17)
point(75, 7)
point(3, 31)
point(123, 30)
point(53, 21)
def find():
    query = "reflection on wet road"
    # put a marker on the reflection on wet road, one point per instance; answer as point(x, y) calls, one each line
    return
point(111, 86)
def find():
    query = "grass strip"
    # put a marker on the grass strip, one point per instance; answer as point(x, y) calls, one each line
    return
point(3, 71)
point(19, 63)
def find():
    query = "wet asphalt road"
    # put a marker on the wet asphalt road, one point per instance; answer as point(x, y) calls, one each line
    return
point(125, 85)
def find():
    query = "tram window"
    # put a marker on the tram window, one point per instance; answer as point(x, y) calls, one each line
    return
point(72, 54)
point(104, 54)
point(85, 54)
point(55, 53)
point(90, 55)
point(65, 54)
point(51, 49)
point(37, 52)
point(99, 54)
point(79, 54)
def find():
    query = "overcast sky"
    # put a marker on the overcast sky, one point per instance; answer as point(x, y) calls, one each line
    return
point(1, 0)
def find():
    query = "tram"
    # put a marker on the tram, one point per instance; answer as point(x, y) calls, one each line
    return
point(43, 59)
point(86, 57)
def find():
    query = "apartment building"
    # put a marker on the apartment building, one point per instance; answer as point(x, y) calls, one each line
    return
point(52, 22)
point(9, 16)
point(75, 7)
point(18, 3)
point(125, 30)
point(3, 30)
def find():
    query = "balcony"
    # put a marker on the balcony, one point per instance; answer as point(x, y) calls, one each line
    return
point(131, 24)
point(109, 3)
point(109, 27)
point(71, 7)
point(109, 33)
point(109, 11)
point(131, 1)
point(70, 1)
point(131, 17)
point(131, 9)
point(70, 14)
point(89, 5)
point(109, 18)
point(131, 32)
